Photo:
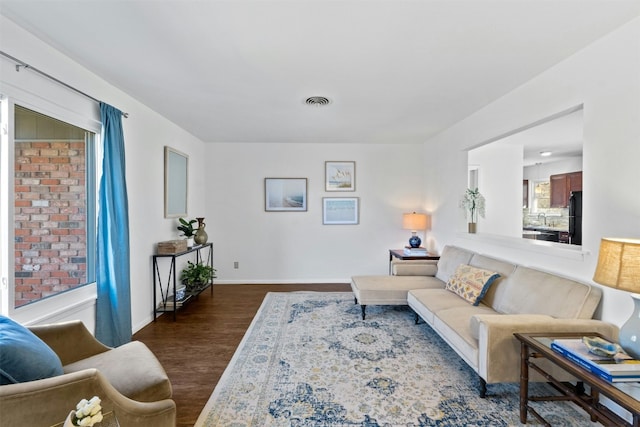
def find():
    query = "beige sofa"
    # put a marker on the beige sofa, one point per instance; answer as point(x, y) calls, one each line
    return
point(521, 300)
point(128, 379)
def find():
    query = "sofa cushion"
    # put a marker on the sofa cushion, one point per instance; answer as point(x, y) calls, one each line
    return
point(471, 283)
point(451, 258)
point(453, 325)
point(150, 382)
point(24, 356)
point(435, 300)
point(504, 268)
point(414, 268)
point(528, 290)
point(389, 290)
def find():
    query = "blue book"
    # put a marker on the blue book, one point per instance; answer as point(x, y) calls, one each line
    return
point(620, 369)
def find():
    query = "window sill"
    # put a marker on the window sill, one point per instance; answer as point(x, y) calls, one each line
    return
point(573, 252)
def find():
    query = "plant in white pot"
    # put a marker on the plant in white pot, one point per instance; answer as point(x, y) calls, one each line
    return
point(187, 230)
point(473, 203)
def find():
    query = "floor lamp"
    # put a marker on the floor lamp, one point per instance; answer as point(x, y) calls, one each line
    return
point(619, 268)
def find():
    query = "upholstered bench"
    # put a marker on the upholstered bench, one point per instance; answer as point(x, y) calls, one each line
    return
point(393, 289)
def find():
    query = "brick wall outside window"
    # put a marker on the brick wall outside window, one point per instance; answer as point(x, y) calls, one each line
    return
point(50, 218)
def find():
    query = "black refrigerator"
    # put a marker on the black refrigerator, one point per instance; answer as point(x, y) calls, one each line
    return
point(575, 218)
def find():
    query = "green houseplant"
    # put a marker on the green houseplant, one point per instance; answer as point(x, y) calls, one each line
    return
point(195, 275)
point(187, 230)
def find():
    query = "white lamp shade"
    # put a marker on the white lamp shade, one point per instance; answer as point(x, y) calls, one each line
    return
point(416, 221)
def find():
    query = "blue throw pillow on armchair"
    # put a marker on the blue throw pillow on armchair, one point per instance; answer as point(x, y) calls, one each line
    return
point(24, 356)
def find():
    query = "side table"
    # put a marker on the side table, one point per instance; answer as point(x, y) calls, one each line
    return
point(399, 254)
point(167, 301)
point(538, 345)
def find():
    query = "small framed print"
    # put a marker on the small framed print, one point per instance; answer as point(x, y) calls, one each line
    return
point(340, 210)
point(339, 176)
point(285, 194)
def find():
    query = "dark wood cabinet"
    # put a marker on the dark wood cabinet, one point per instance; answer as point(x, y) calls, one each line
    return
point(561, 187)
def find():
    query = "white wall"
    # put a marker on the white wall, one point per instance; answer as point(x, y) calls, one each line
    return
point(605, 77)
point(146, 133)
point(284, 247)
point(226, 180)
point(500, 182)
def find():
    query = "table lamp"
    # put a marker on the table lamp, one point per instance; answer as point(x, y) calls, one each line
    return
point(619, 268)
point(414, 222)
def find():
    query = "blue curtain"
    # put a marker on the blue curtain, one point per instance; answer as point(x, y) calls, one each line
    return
point(113, 309)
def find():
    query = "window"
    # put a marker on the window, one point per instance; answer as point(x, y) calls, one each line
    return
point(541, 196)
point(54, 203)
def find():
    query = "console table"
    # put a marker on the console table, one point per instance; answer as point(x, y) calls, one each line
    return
point(538, 345)
point(167, 302)
point(399, 254)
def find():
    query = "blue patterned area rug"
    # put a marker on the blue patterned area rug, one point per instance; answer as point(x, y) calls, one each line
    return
point(309, 360)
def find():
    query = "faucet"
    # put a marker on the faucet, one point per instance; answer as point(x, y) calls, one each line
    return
point(544, 218)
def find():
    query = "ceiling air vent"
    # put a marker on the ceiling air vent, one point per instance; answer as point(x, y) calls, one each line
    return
point(317, 101)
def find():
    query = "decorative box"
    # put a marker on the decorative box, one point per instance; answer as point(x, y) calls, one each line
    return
point(172, 247)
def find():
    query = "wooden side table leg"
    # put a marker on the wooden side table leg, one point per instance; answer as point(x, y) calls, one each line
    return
point(524, 382)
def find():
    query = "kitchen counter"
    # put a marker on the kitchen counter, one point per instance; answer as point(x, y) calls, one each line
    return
point(543, 228)
point(550, 234)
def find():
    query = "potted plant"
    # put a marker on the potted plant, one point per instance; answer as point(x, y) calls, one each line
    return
point(196, 275)
point(187, 230)
point(473, 202)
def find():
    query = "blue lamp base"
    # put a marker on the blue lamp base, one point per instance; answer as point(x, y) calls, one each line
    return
point(630, 331)
point(415, 241)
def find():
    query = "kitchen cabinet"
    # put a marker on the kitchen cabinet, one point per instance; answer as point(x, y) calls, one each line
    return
point(561, 187)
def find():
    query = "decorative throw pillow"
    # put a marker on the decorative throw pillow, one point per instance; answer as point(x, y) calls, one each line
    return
point(24, 356)
point(471, 283)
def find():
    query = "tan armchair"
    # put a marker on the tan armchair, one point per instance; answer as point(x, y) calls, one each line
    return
point(128, 379)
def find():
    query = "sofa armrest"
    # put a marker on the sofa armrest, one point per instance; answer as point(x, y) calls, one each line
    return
point(71, 341)
point(414, 268)
point(48, 402)
point(499, 350)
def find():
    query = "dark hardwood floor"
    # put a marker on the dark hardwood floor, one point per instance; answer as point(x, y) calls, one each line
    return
point(196, 348)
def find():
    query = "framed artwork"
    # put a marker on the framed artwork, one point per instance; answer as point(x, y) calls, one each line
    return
point(285, 194)
point(339, 176)
point(340, 210)
point(176, 178)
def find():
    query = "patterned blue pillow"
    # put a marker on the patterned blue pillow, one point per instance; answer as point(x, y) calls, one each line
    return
point(471, 283)
point(24, 356)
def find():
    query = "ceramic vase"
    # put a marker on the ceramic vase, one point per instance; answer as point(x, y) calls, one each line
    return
point(201, 235)
point(472, 227)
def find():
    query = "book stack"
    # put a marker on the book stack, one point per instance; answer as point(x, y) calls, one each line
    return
point(620, 368)
point(408, 250)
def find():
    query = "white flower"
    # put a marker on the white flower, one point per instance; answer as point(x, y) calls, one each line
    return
point(88, 412)
point(473, 202)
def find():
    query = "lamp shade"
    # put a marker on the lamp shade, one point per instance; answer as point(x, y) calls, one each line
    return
point(415, 221)
point(619, 264)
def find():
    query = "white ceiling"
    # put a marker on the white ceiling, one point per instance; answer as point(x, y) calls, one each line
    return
point(394, 70)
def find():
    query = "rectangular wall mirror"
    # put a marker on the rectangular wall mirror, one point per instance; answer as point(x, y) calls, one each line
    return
point(176, 183)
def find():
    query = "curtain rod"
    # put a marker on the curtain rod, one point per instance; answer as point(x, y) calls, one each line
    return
point(24, 65)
